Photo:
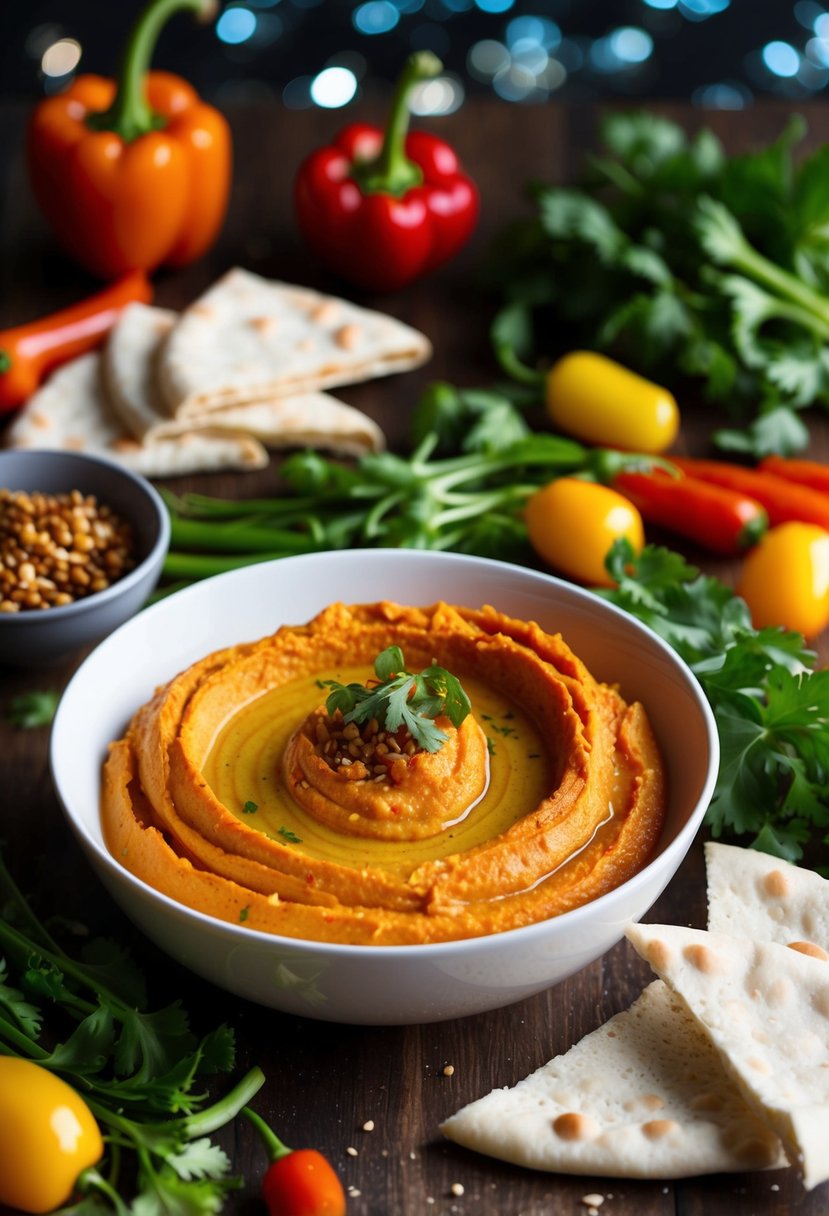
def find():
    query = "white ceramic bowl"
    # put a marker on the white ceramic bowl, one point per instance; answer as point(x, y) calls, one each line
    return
point(379, 984)
point(40, 638)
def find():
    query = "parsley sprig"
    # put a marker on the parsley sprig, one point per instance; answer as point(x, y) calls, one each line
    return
point(770, 703)
point(685, 261)
point(140, 1070)
point(403, 698)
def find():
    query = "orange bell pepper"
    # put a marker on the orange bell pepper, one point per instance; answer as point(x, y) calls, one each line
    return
point(136, 173)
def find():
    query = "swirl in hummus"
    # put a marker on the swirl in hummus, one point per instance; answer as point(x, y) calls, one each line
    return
point(223, 793)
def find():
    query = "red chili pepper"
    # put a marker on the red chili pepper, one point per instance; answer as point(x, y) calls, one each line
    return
point(811, 473)
point(298, 1182)
point(28, 352)
point(722, 520)
point(384, 208)
point(785, 501)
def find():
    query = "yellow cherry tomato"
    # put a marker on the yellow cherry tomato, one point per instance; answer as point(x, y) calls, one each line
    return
point(598, 401)
point(572, 525)
point(48, 1136)
point(785, 579)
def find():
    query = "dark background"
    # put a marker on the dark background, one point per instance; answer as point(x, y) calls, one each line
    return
point(711, 52)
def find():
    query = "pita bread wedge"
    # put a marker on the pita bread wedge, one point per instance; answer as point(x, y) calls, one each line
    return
point(751, 894)
point(765, 1009)
point(71, 412)
point(251, 339)
point(644, 1096)
point(130, 371)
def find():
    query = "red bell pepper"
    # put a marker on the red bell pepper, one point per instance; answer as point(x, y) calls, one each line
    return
point(384, 208)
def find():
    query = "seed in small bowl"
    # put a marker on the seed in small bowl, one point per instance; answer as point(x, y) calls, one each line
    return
point(57, 548)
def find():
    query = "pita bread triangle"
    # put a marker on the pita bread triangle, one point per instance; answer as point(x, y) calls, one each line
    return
point(752, 894)
point(765, 1008)
point(644, 1096)
point(130, 371)
point(250, 339)
point(72, 413)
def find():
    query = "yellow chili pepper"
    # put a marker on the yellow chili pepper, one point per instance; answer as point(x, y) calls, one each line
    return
point(601, 402)
point(572, 525)
point(48, 1136)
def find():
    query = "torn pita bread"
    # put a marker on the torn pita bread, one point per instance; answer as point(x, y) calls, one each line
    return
point(130, 371)
point(71, 412)
point(644, 1096)
point(751, 894)
point(765, 1009)
point(251, 339)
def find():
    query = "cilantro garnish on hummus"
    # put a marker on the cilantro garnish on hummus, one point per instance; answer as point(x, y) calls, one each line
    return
point(403, 698)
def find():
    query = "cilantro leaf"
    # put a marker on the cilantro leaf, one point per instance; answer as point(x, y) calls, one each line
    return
point(403, 699)
point(32, 709)
point(16, 1008)
point(770, 705)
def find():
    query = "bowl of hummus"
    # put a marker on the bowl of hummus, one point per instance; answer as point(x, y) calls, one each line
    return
point(314, 776)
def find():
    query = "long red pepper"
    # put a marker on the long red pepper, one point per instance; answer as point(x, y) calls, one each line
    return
point(722, 520)
point(298, 1182)
point(811, 473)
point(29, 351)
point(783, 500)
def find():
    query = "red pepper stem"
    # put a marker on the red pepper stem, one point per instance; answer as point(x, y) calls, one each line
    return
point(392, 172)
point(5, 362)
point(130, 115)
point(273, 1145)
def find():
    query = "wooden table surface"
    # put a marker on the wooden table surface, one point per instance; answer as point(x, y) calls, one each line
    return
point(324, 1081)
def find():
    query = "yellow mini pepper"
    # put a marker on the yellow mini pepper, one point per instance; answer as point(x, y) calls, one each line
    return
point(48, 1136)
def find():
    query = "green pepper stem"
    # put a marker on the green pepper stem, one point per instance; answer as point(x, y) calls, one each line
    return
point(273, 1145)
point(130, 114)
point(392, 172)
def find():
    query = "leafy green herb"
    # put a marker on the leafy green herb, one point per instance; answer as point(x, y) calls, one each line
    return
point(682, 261)
point(770, 703)
point(250, 807)
point(470, 503)
point(403, 699)
point(290, 836)
point(244, 913)
point(138, 1069)
point(33, 709)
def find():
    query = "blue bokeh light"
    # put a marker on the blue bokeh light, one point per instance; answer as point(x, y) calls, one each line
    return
point(494, 6)
point(781, 59)
point(375, 17)
point(236, 25)
point(333, 87)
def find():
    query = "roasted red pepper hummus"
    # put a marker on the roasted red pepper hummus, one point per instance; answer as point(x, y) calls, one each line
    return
point(224, 792)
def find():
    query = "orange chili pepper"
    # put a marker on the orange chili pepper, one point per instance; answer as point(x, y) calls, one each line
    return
point(29, 351)
point(132, 174)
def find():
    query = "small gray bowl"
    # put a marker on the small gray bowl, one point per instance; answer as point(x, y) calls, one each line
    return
point(39, 638)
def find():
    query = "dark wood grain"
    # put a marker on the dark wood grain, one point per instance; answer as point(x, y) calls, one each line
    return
point(325, 1080)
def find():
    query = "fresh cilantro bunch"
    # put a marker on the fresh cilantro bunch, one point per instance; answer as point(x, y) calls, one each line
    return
point(770, 704)
point(679, 258)
point(403, 699)
point(139, 1070)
